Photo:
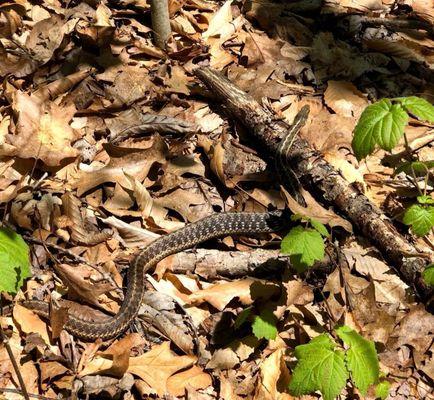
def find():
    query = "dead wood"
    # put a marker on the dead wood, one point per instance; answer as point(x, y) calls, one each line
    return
point(322, 179)
point(214, 264)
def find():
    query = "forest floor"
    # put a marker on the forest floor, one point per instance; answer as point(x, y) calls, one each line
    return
point(107, 142)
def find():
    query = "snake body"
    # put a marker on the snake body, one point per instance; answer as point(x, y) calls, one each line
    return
point(214, 226)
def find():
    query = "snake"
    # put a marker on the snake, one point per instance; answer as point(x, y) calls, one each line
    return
point(213, 226)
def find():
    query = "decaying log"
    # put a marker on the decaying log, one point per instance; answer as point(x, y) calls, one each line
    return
point(322, 180)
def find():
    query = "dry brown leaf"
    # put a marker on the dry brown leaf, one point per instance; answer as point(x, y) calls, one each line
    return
point(219, 21)
point(415, 329)
point(134, 162)
point(191, 202)
point(246, 290)
point(389, 288)
point(157, 365)
point(78, 280)
point(43, 130)
point(30, 377)
point(46, 37)
point(223, 359)
point(274, 378)
point(227, 390)
point(360, 5)
point(192, 378)
point(50, 370)
point(404, 49)
point(130, 82)
point(424, 9)
point(29, 322)
point(115, 360)
point(316, 211)
point(82, 231)
point(344, 98)
point(375, 323)
point(245, 347)
point(132, 236)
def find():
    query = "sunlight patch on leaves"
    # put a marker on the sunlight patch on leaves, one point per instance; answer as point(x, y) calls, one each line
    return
point(14, 261)
point(361, 358)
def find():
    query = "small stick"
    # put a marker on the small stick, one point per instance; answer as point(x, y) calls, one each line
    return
point(5, 341)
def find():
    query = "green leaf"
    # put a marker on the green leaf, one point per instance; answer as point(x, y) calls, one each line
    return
point(361, 358)
point(242, 317)
point(304, 245)
point(382, 390)
point(264, 325)
point(419, 107)
point(421, 218)
point(14, 261)
point(428, 275)
point(319, 367)
point(382, 124)
point(319, 227)
point(418, 168)
point(425, 200)
point(392, 127)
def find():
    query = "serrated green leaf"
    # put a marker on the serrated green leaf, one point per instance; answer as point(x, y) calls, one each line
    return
point(364, 139)
point(382, 124)
point(242, 317)
point(264, 325)
point(14, 261)
point(304, 246)
point(420, 218)
point(319, 227)
point(425, 200)
point(419, 107)
point(428, 275)
point(319, 367)
point(391, 129)
point(382, 390)
point(417, 168)
point(361, 358)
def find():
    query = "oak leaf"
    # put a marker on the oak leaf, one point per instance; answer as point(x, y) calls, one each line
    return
point(42, 130)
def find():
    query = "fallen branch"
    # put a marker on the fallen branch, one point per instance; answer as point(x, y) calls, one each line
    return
point(214, 264)
point(323, 180)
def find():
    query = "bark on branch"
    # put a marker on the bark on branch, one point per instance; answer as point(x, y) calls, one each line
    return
point(325, 182)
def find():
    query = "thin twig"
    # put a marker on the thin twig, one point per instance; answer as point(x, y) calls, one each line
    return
point(5, 341)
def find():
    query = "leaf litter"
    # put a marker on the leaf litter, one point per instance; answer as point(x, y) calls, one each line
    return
point(107, 142)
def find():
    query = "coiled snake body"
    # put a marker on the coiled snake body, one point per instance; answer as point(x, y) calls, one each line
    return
point(214, 226)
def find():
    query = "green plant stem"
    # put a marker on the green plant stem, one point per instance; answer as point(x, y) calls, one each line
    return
point(4, 339)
